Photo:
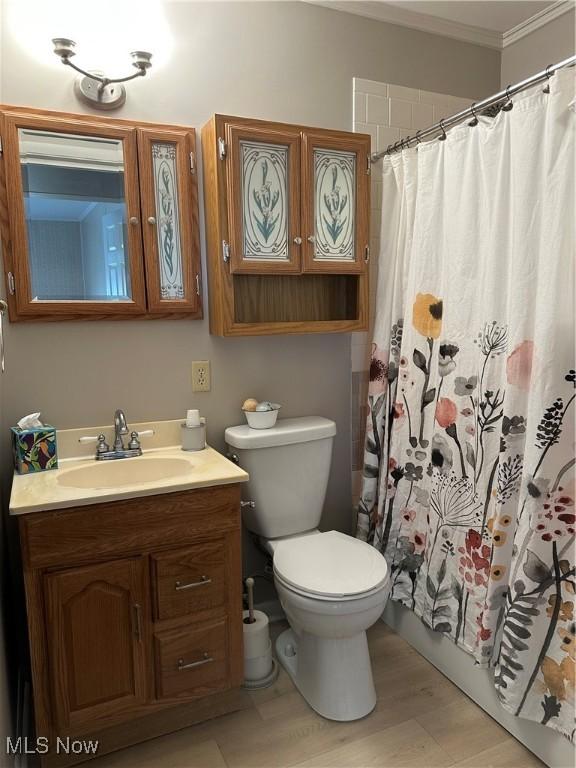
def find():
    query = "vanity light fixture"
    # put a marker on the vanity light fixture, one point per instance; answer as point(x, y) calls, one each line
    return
point(94, 88)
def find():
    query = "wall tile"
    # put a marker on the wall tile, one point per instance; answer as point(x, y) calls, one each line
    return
point(360, 356)
point(386, 136)
point(365, 128)
point(377, 110)
point(400, 92)
point(441, 113)
point(370, 86)
point(400, 113)
point(376, 196)
point(359, 111)
point(422, 116)
point(359, 339)
point(438, 99)
point(459, 104)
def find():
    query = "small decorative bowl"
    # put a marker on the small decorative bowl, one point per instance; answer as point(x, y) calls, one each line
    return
point(262, 419)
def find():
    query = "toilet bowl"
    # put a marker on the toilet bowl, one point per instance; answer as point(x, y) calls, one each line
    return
point(332, 587)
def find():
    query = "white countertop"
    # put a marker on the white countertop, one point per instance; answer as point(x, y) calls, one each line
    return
point(43, 491)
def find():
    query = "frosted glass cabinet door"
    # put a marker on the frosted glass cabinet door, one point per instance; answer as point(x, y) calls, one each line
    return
point(336, 203)
point(170, 219)
point(263, 169)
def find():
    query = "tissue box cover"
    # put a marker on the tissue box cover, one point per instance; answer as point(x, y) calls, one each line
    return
point(34, 449)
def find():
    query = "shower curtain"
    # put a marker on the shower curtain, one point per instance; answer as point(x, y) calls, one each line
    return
point(468, 481)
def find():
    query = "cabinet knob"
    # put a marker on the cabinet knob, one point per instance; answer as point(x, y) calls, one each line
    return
point(298, 240)
point(151, 220)
point(311, 239)
point(133, 219)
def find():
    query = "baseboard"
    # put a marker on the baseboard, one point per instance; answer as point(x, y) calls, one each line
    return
point(552, 748)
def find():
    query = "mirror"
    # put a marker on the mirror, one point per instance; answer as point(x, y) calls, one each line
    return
point(75, 216)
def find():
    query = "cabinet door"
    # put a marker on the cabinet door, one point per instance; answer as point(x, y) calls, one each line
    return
point(170, 219)
point(74, 241)
point(263, 179)
point(336, 202)
point(98, 628)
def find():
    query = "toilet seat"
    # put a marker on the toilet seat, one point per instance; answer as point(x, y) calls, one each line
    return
point(330, 566)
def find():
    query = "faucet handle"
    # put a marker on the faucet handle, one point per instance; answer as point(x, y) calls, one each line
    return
point(134, 443)
point(102, 446)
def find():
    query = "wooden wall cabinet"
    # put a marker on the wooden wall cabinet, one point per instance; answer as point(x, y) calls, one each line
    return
point(98, 216)
point(135, 616)
point(287, 227)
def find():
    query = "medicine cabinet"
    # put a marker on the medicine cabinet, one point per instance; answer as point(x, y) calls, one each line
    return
point(99, 217)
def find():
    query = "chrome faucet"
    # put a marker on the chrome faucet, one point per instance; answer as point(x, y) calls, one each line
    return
point(120, 428)
point(118, 450)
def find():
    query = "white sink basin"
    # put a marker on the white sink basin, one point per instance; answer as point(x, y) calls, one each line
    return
point(118, 473)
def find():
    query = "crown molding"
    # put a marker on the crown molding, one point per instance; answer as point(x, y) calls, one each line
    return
point(538, 20)
point(392, 14)
point(489, 38)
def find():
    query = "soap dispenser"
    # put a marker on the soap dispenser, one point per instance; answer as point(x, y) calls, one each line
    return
point(193, 432)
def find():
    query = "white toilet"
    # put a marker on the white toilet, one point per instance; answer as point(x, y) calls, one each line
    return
point(332, 587)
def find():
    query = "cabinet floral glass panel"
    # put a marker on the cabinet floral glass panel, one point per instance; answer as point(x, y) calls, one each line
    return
point(264, 180)
point(167, 218)
point(334, 205)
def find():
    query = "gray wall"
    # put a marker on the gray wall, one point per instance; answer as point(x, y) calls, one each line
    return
point(282, 61)
point(547, 45)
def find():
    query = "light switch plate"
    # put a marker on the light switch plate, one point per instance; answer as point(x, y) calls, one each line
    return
point(201, 376)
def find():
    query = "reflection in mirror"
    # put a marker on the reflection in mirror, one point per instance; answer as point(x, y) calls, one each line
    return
point(75, 216)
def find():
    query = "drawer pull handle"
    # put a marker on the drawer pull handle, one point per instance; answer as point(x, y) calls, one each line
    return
point(179, 586)
point(137, 621)
point(205, 660)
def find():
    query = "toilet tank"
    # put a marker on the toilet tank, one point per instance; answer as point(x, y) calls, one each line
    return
point(288, 466)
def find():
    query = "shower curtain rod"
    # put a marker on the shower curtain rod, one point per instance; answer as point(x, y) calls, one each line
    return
point(474, 109)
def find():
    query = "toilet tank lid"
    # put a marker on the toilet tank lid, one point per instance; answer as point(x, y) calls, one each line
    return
point(285, 432)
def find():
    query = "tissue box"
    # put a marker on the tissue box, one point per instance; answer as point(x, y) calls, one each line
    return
point(34, 449)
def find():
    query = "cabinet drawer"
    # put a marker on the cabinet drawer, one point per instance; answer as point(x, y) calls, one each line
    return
point(192, 661)
point(191, 579)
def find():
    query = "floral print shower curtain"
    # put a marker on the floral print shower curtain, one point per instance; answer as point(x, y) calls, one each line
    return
point(468, 482)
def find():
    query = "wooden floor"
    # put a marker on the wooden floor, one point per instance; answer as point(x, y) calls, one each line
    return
point(421, 720)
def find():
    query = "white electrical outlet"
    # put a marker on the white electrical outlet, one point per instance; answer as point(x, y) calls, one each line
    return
point(201, 376)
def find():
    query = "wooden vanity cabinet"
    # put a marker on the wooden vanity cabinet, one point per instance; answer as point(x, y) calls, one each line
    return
point(96, 617)
point(135, 616)
point(287, 227)
point(98, 217)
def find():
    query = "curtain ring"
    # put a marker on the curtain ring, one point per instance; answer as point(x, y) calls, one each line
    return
point(474, 120)
point(549, 74)
point(508, 106)
point(417, 137)
point(443, 137)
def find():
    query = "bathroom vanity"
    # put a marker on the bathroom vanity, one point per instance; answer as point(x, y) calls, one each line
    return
point(133, 597)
